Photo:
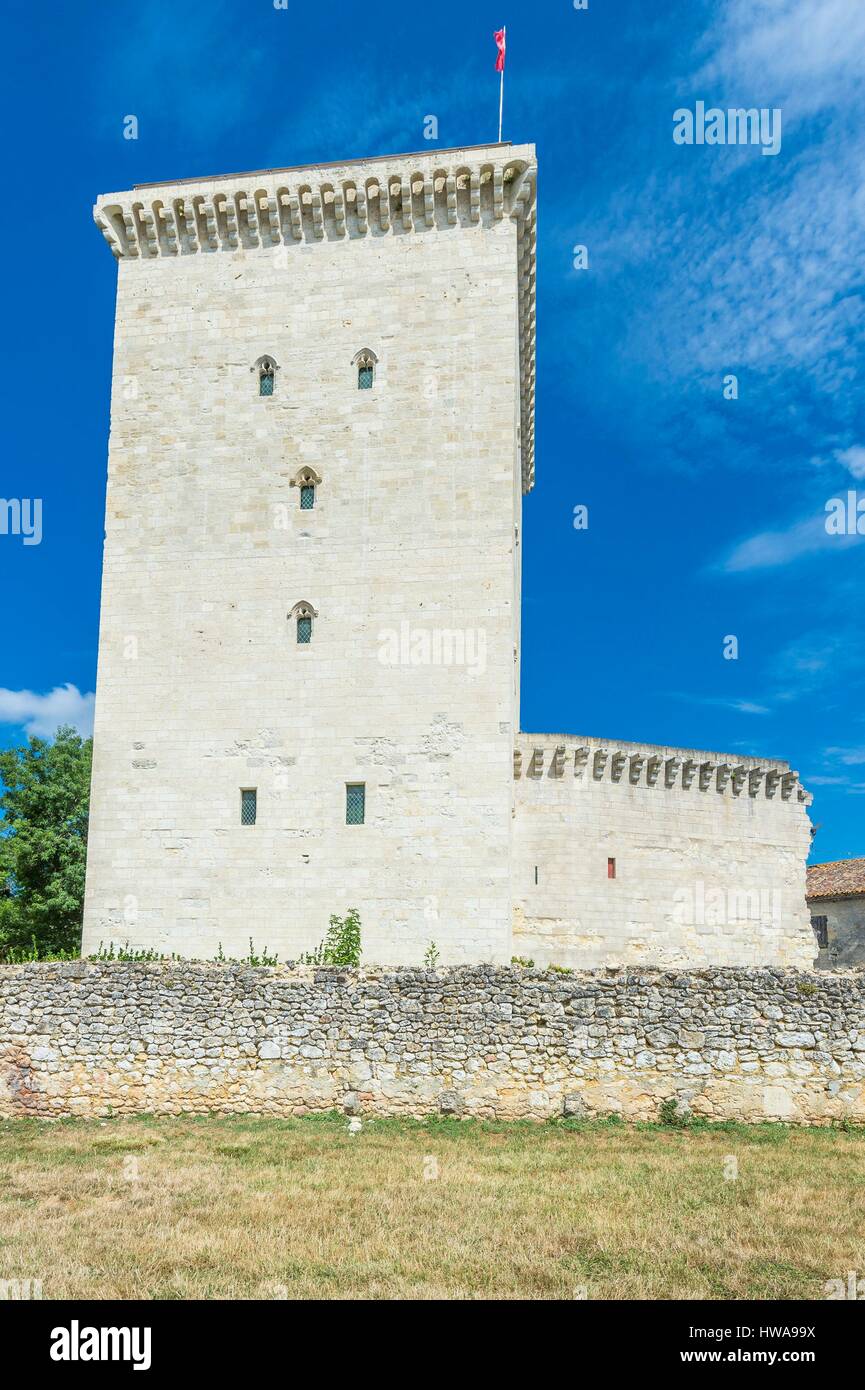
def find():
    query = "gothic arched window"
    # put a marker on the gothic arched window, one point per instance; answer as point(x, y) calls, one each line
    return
point(307, 480)
point(365, 361)
point(303, 614)
point(266, 368)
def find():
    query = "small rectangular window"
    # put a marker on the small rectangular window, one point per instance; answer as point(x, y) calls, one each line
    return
point(355, 803)
point(307, 497)
point(611, 868)
point(821, 931)
point(304, 629)
point(364, 378)
point(248, 807)
point(265, 384)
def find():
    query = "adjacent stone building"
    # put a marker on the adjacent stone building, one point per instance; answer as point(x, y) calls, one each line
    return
point(836, 899)
point(322, 430)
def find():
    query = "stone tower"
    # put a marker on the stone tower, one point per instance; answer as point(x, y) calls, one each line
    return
point(321, 429)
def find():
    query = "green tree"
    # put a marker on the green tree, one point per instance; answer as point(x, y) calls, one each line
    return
point(44, 798)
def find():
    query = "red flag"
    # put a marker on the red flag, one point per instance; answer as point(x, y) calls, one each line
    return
point(499, 37)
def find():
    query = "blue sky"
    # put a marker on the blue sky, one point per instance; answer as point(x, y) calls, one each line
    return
point(706, 515)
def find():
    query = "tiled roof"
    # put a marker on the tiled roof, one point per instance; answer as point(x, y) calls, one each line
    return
point(844, 878)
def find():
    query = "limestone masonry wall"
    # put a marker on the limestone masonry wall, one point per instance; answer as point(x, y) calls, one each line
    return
point(708, 856)
point(203, 689)
point(92, 1039)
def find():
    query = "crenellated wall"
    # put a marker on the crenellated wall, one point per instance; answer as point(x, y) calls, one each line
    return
point(709, 856)
point(91, 1040)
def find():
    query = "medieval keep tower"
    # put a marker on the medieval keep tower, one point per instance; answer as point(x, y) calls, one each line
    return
point(322, 426)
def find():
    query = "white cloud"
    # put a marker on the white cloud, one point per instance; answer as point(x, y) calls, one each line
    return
point(851, 757)
point(719, 702)
point(41, 715)
point(791, 52)
point(735, 263)
point(749, 707)
point(768, 549)
point(853, 459)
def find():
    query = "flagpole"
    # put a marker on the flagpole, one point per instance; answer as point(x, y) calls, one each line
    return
point(502, 87)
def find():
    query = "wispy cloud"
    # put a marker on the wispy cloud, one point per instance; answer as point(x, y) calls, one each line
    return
point(769, 549)
point(720, 702)
point(798, 54)
point(732, 263)
point(851, 757)
point(852, 459)
point(41, 715)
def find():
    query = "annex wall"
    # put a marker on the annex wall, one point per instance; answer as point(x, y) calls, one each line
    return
point(92, 1039)
point(407, 560)
point(634, 854)
point(845, 926)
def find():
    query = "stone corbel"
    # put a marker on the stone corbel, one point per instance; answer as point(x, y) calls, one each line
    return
point(536, 766)
point(129, 230)
point(521, 193)
point(423, 187)
point(382, 204)
point(635, 768)
point(150, 234)
point(599, 763)
point(755, 777)
point(362, 211)
point(739, 775)
point(451, 187)
point(317, 211)
point(191, 223)
point(339, 211)
point(267, 210)
point(671, 771)
point(474, 197)
point(498, 194)
point(166, 217)
point(618, 766)
point(224, 208)
point(557, 766)
point(212, 229)
point(518, 763)
point(247, 207)
point(706, 771)
point(773, 779)
point(407, 218)
point(788, 782)
point(294, 216)
point(108, 232)
point(722, 776)
point(653, 770)
point(689, 770)
point(581, 757)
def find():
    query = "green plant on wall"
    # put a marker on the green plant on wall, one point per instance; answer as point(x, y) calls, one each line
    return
point(341, 945)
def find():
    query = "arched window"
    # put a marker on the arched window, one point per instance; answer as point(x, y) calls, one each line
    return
point(266, 368)
point(307, 480)
point(303, 614)
point(365, 361)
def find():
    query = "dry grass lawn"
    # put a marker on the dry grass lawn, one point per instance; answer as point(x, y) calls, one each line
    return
point(247, 1207)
